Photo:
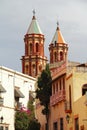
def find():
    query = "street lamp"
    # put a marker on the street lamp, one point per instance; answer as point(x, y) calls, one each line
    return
point(1, 118)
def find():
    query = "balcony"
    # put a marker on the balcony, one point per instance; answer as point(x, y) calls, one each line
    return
point(57, 97)
point(68, 108)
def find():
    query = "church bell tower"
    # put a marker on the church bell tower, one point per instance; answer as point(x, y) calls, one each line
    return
point(58, 48)
point(34, 61)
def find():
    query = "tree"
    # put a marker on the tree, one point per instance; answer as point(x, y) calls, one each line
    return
point(33, 122)
point(21, 120)
point(44, 90)
point(31, 108)
point(25, 119)
point(34, 125)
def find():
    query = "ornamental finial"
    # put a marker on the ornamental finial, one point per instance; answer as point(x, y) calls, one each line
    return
point(57, 25)
point(34, 14)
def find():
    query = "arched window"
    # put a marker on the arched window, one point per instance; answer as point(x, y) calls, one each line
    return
point(84, 89)
point(40, 68)
point(53, 89)
point(63, 83)
point(56, 86)
point(27, 69)
point(37, 47)
point(34, 69)
point(60, 84)
point(31, 48)
point(51, 57)
point(70, 96)
point(55, 56)
point(61, 55)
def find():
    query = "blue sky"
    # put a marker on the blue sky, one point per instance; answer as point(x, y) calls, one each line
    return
point(15, 18)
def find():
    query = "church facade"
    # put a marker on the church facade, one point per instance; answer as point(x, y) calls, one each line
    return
point(68, 102)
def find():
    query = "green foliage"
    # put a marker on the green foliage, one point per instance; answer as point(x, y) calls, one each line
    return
point(34, 125)
point(31, 108)
point(25, 120)
point(44, 89)
point(30, 105)
point(21, 120)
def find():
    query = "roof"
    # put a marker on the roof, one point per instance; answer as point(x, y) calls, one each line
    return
point(34, 27)
point(2, 68)
point(58, 38)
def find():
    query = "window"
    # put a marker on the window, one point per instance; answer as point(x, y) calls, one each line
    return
point(57, 87)
point(63, 83)
point(60, 84)
point(31, 48)
point(70, 96)
point(76, 124)
point(55, 56)
point(84, 89)
point(82, 127)
point(61, 55)
point(55, 127)
point(6, 128)
point(51, 57)
point(37, 47)
point(40, 68)
point(27, 69)
point(1, 128)
point(34, 69)
point(61, 124)
point(53, 88)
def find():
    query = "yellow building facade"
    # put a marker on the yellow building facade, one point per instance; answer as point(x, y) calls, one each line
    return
point(76, 96)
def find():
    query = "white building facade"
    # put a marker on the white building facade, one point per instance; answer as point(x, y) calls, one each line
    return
point(14, 93)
